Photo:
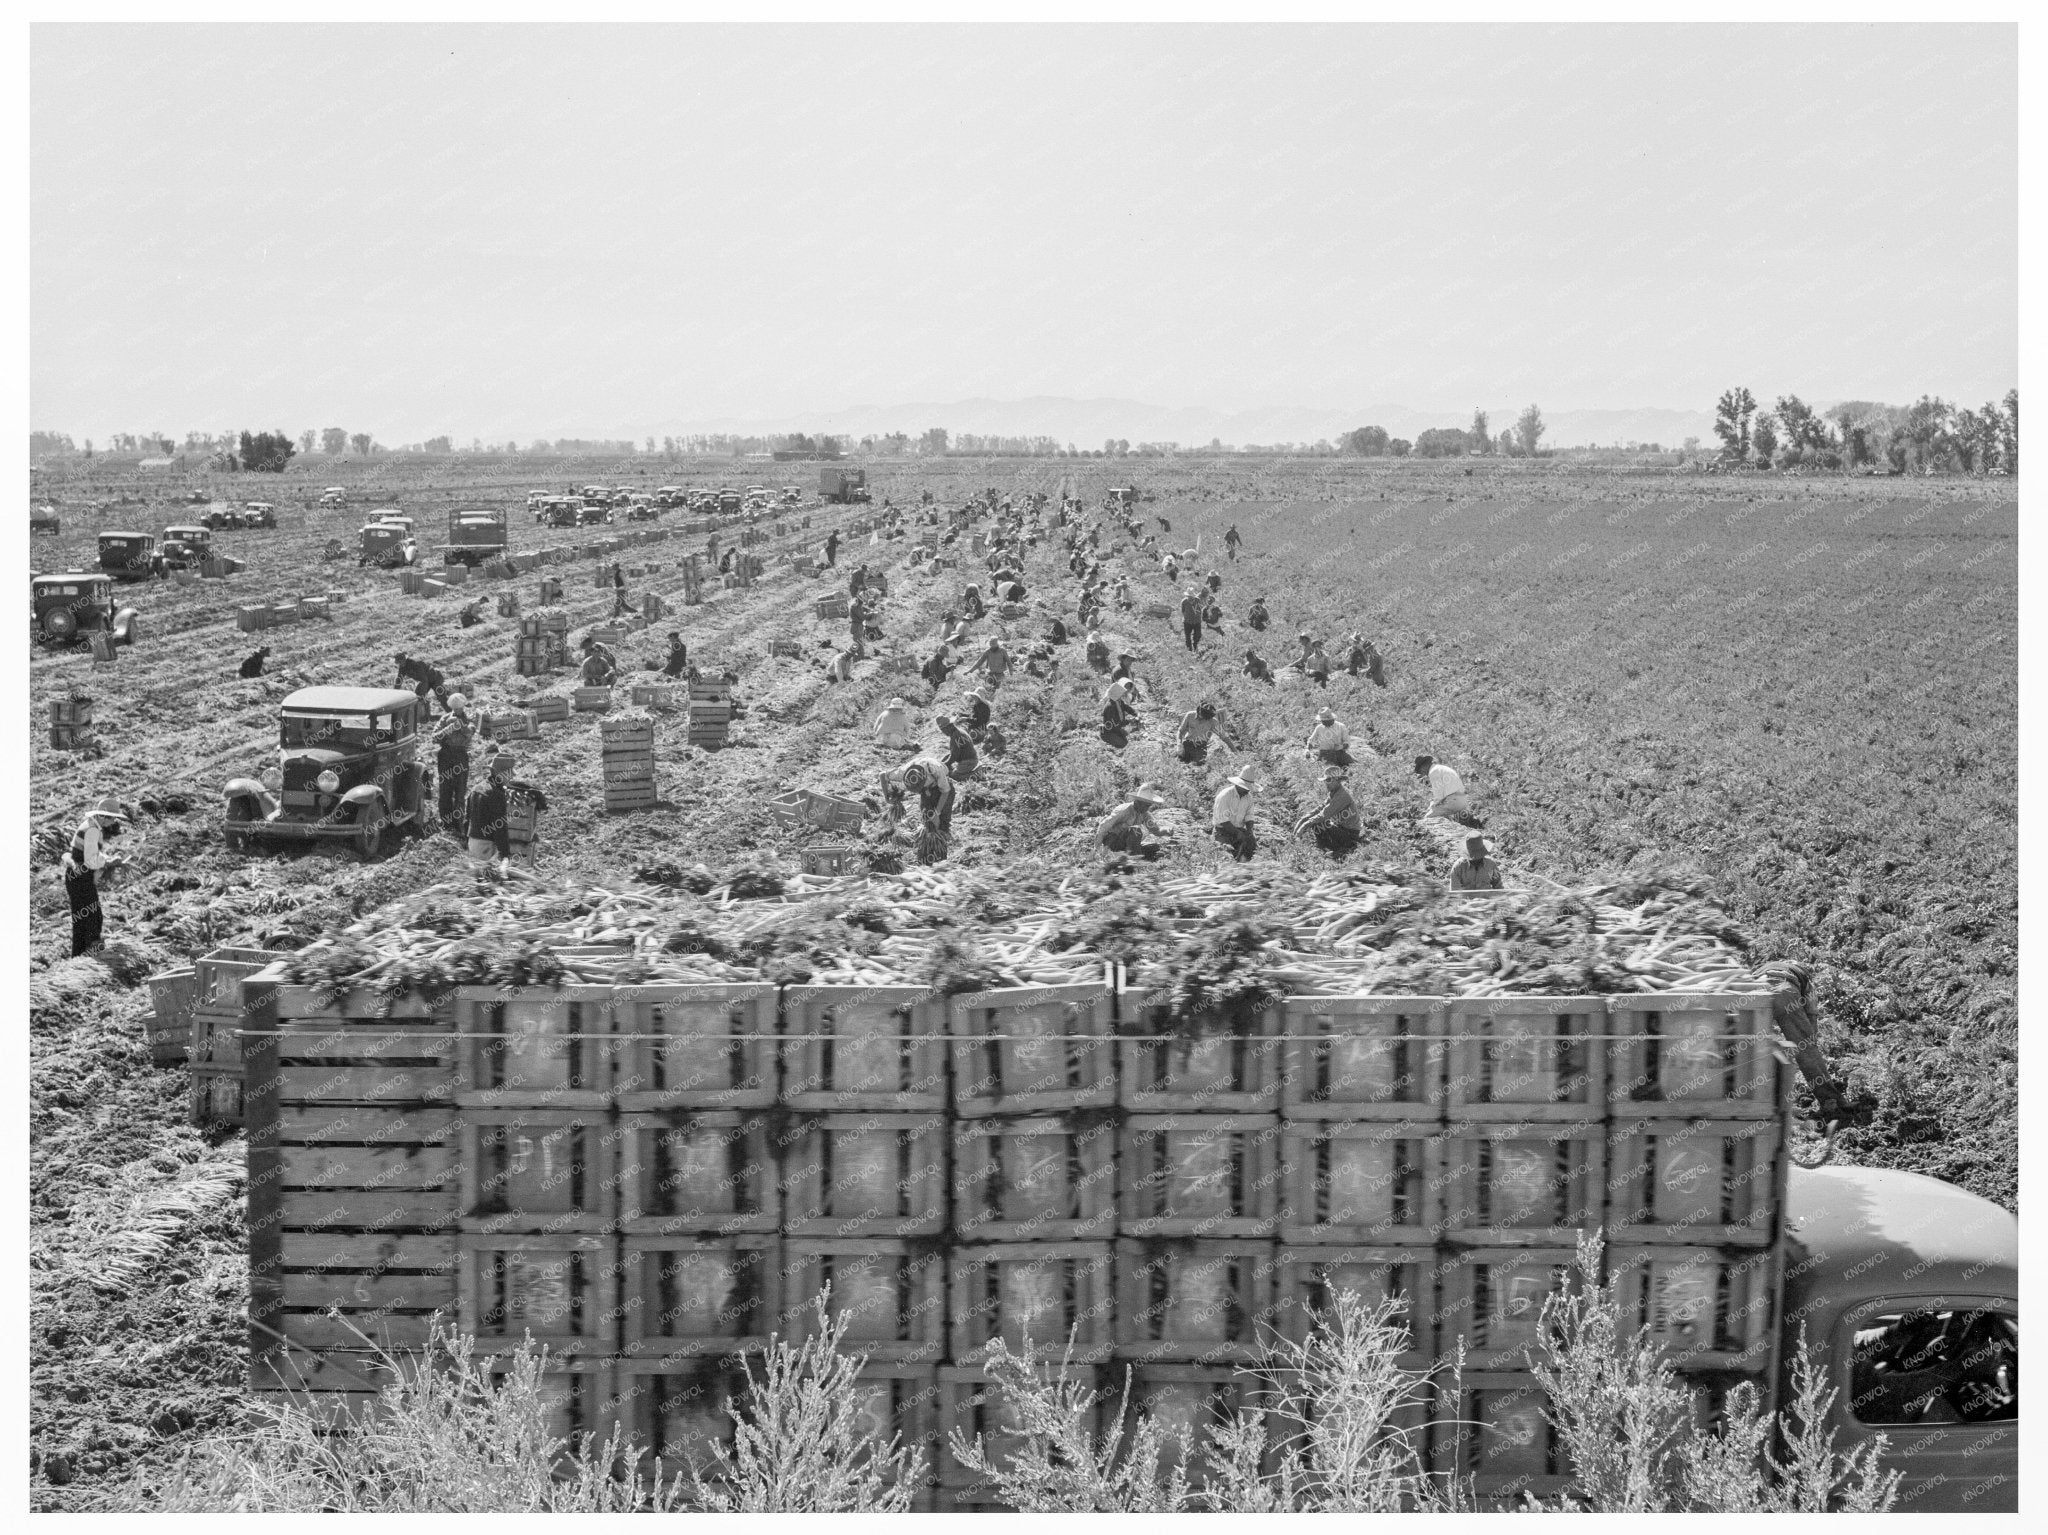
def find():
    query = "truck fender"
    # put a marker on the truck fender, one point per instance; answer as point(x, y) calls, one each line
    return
point(249, 788)
point(127, 626)
point(361, 795)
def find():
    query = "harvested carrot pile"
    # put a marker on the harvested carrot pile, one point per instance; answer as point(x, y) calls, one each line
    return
point(1199, 946)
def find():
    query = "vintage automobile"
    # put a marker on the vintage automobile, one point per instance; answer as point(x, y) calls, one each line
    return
point(668, 495)
point(334, 495)
point(65, 609)
point(44, 519)
point(186, 545)
point(388, 545)
point(129, 556)
point(594, 515)
point(349, 768)
point(224, 516)
point(562, 512)
point(259, 514)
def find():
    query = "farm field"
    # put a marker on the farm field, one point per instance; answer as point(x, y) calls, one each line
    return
point(1799, 694)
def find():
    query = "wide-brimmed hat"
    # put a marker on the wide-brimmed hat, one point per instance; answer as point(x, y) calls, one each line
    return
point(108, 807)
point(1475, 841)
point(1238, 780)
point(1150, 792)
point(1328, 716)
point(458, 700)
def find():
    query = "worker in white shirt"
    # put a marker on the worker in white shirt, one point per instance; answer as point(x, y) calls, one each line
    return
point(1230, 821)
point(1447, 796)
point(893, 727)
point(1329, 739)
point(84, 861)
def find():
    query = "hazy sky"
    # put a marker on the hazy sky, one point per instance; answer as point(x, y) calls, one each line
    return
point(552, 231)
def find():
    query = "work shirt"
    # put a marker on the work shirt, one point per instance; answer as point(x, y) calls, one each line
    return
point(421, 674)
point(451, 743)
point(1194, 728)
point(88, 846)
point(677, 663)
point(1233, 808)
point(1127, 815)
point(892, 727)
point(1257, 617)
point(995, 661)
point(1329, 738)
point(1483, 875)
point(487, 818)
point(1120, 691)
point(1190, 612)
point(1444, 782)
point(1340, 810)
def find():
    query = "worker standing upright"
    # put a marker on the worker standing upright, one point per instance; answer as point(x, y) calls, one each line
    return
point(619, 607)
point(832, 549)
point(487, 817)
point(451, 764)
point(1231, 540)
point(1191, 619)
point(85, 860)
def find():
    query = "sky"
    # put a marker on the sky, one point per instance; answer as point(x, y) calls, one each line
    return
point(553, 231)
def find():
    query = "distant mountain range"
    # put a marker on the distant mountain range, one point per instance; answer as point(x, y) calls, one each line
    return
point(1088, 423)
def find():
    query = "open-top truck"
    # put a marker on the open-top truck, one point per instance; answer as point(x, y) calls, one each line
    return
point(476, 535)
point(349, 770)
point(69, 608)
point(843, 487)
point(129, 556)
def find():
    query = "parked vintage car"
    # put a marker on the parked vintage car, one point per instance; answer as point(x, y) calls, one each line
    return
point(350, 768)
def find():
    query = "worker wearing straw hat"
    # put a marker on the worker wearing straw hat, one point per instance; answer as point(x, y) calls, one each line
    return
point(1335, 824)
point(1475, 871)
point(1230, 819)
point(84, 860)
point(1123, 829)
point(1329, 740)
point(893, 726)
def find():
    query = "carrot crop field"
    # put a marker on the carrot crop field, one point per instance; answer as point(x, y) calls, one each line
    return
point(1797, 695)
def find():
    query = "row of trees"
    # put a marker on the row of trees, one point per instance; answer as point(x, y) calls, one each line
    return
point(1930, 434)
point(1518, 441)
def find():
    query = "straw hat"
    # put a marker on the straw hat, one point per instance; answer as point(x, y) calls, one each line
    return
point(109, 808)
point(1150, 792)
point(1328, 716)
point(1239, 781)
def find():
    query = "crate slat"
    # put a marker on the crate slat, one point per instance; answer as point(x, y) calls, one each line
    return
point(891, 1293)
point(715, 1047)
point(1056, 1297)
point(1307, 1279)
point(1195, 1301)
point(1043, 1179)
point(367, 1250)
point(371, 1209)
point(1199, 1175)
point(1009, 1056)
point(365, 1167)
point(883, 1048)
point(1363, 1058)
point(1229, 1074)
point(548, 1048)
point(700, 1295)
point(1492, 1300)
point(537, 1169)
point(1526, 1058)
point(1711, 1056)
point(1370, 1181)
point(1539, 1182)
point(697, 1170)
point(562, 1290)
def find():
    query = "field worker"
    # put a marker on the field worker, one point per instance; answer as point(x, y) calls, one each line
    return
point(1792, 1010)
point(1335, 824)
point(1172, 566)
point(1011, 591)
point(971, 603)
point(1315, 665)
point(858, 581)
point(1123, 829)
point(85, 860)
point(1475, 871)
point(1212, 615)
point(936, 668)
point(599, 665)
point(935, 804)
point(1256, 668)
point(471, 615)
point(893, 727)
point(1230, 819)
point(993, 742)
point(857, 625)
point(1231, 540)
point(677, 662)
point(1056, 632)
point(619, 589)
point(840, 667)
point(1374, 668)
point(1214, 582)
point(1197, 727)
point(1122, 592)
point(451, 762)
point(977, 711)
point(486, 813)
point(993, 663)
point(1164, 525)
point(1114, 720)
point(1329, 740)
point(1256, 615)
point(1191, 620)
point(1447, 795)
point(961, 758)
point(422, 679)
point(832, 549)
point(252, 664)
point(516, 790)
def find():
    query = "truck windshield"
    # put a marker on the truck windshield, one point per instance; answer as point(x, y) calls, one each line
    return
point(1936, 1367)
point(337, 732)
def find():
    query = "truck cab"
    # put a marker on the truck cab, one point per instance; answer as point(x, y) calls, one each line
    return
point(129, 556)
point(388, 545)
point(476, 536)
point(334, 495)
point(186, 545)
point(64, 609)
point(562, 512)
point(259, 514)
point(349, 770)
point(1122, 497)
point(1907, 1289)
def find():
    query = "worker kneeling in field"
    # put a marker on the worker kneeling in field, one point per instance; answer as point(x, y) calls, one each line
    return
point(1256, 615)
point(1255, 667)
point(600, 666)
point(1335, 824)
point(893, 727)
point(1123, 829)
point(1447, 796)
point(489, 816)
point(1475, 871)
point(1230, 818)
point(1197, 727)
point(1329, 740)
point(961, 757)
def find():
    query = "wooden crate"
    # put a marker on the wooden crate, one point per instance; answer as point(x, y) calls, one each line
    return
point(536, 1047)
point(552, 710)
point(665, 697)
point(972, 1407)
point(1189, 1401)
point(697, 1047)
point(675, 1409)
point(1491, 1300)
point(1376, 1182)
point(1228, 1074)
point(1307, 1280)
point(709, 1170)
point(1492, 1428)
point(833, 862)
point(1047, 1180)
point(251, 616)
point(592, 700)
point(902, 1400)
point(863, 1047)
point(1199, 1175)
point(215, 1094)
point(627, 799)
point(701, 1295)
point(525, 1169)
point(1526, 1058)
point(1193, 1301)
point(1363, 1058)
point(865, 1175)
point(1538, 1182)
point(890, 1292)
point(511, 725)
point(1057, 1298)
point(560, 1289)
point(1711, 1310)
point(1697, 1056)
point(1694, 1181)
point(1032, 1050)
point(172, 996)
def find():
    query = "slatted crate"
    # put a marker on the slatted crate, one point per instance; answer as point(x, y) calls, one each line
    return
point(902, 1401)
point(848, 1048)
point(218, 1009)
point(1492, 1429)
point(1032, 1050)
point(1050, 1179)
point(535, 1047)
point(215, 1094)
point(1199, 1175)
point(1491, 1300)
point(1058, 1298)
point(676, 1409)
point(562, 1290)
point(890, 1291)
point(972, 1407)
point(1710, 1309)
point(701, 1295)
point(1232, 1073)
point(1188, 1402)
point(1526, 1058)
point(537, 1170)
point(1365, 1181)
point(1703, 1056)
point(698, 1047)
point(173, 994)
point(865, 1175)
point(1538, 1182)
point(1362, 1058)
point(1694, 1181)
point(1183, 1300)
point(579, 1400)
point(1307, 1281)
point(708, 1170)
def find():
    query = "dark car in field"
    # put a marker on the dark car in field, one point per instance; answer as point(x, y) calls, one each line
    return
point(350, 766)
point(129, 556)
point(65, 609)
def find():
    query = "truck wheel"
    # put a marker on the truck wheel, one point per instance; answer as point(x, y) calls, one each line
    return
point(370, 832)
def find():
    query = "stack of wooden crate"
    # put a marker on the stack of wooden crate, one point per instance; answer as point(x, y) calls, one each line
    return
point(710, 715)
point(542, 645)
point(628, 764)
point(218, 1016)
point(71, 723)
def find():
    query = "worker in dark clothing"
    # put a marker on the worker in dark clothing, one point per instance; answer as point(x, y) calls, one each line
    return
point(487, 815)
point(85, 860)
point(977, 712)
point(961, 758)
point(1214, 582)
point(1191, 620)
point(1475, 871)
point(832, 549)
point(934, 670)
point(1335, 824)
point(252, 665)
point(422, 679)
point(1231, 541)
point(451, 764)
point(1055, 630)
point(516, 791)
point(935, 803)
point(471, 615)
point(619, 606)
point(857, 582)
point(1256, 615)
point(677, 663)
point(857, 625)
point(1256, 668)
